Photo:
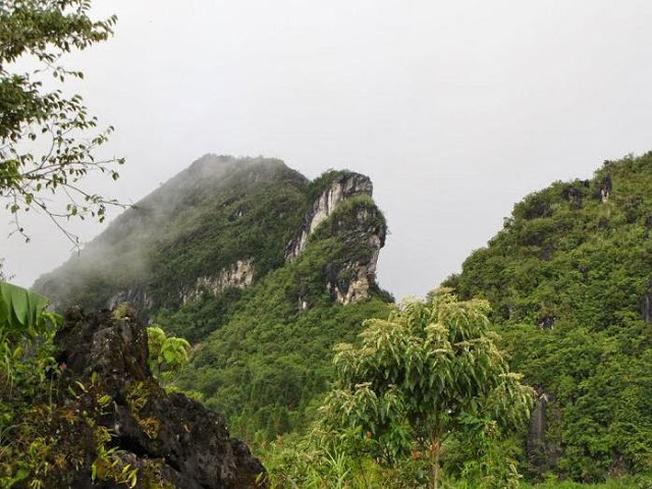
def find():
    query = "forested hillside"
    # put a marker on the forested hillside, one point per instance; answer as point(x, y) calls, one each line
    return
point(261, 269)
point(569, 278)
point(265, 272)
point(200, 222)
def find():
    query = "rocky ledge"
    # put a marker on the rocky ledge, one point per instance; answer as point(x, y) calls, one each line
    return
point(345, 186)
point(123, 430)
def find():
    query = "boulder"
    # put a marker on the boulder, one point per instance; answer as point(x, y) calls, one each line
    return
point(107, 388)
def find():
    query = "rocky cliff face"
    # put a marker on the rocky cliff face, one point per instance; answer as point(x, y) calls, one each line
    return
point(137, 296)
point(343, 187)
point(351, 280)
point(118, 420)
point(347, 283)
point(239, 275)
point(646, 304)
point(363, 229)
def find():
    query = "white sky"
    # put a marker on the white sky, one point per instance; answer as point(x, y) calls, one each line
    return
point(455, 109)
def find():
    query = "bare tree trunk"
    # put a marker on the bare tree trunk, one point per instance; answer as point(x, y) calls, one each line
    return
point(435, 452)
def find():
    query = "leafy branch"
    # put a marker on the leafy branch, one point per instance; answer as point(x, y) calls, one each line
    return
point(48, 141)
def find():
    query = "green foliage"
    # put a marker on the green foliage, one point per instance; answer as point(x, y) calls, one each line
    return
point(265, 367)
point(197, 319)
point(22, 312)
point(429, 372)
point(167, 354)
point(26, 372)
point(567, 279)
point(31, 116)
point(301, 462)
point(124, 310)
point(620, 483)
point(294, 461)
point(24, 322)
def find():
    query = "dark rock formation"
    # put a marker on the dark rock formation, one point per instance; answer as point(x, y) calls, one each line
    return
point(606, 188)
point(364, 232)
point(173, 441)
point(573, 194)
point(542, 447)
point(547, 321)
point(536, 439)
point(136, 295)
point(362, 229)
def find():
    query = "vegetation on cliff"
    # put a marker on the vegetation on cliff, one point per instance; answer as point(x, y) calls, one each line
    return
point(569, 278)
point(203, 220)
point(82, 409)
point(265, 273)
point(265, 365)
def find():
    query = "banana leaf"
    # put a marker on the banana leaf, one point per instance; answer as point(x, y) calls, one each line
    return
point(21, 311)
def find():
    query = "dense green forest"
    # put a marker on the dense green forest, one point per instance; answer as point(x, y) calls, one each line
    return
point(228, 332)
point(569, 279)
point(567, 283)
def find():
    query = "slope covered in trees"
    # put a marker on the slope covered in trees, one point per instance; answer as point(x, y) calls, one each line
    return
point(263, 270)
point(569, 278)
point(217, 210)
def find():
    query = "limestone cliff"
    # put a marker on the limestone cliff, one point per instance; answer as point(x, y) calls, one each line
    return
point(239, 275)
point(361, 226)
point(342, 187)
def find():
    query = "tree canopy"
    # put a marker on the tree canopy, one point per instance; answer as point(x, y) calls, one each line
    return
point(569, 278)
point(430, 371)
point(48, 140)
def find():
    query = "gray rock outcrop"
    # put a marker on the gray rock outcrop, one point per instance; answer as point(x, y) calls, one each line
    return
point(343, 187)
point(239, 275)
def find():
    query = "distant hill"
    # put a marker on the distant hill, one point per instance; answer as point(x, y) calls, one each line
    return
point(570, 281)
point(261, 268)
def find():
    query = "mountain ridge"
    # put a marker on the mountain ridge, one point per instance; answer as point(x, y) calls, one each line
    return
point(241, 248)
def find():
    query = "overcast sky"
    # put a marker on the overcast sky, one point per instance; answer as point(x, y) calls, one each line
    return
point(456, 109)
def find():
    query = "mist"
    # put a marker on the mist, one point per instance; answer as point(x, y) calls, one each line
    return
point(455, 110)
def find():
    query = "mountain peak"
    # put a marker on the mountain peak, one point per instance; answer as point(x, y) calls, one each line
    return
point(222, 223)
